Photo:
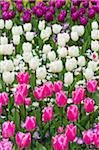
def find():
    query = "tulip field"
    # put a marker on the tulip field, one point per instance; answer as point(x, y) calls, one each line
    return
point(49, 75)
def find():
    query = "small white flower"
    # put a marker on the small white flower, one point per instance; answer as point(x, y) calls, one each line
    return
point(92, 65)
point(34, 63)
point(68, 78)
point(94, 34)
point(1, 24)
point(88, 74)
point(27, 47)
point(8, 77)
point(62, 52)
point(71, 64)
point(41, 73)
point(41, 25)
point(51, 55)
point(80, 30)
point(94, 25)
point(16, 39)
point(74, 36)
point(46, 48)
point(56, 66)
point(73, 51)
point(27, 56)
point(29, 36)
point(8, 24)
point(94, 45)
point(3, 40)
point(81, 61)
point(27, 27)
point(56, 28)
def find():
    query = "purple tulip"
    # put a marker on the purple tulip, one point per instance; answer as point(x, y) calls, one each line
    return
point(39, 12)
point(52, 10)
point(64, 13)
point(19, 7)
point(83, 20)
point(73, 9)
point(91, 13)
point(11, 14)
point(31, 1)
point(58, 4)
point(61, 17)
point(63, 2)
point(41, 4)
point(27, 16)
point(45, 9)
point(49, 16)
point(86, 3)
point(34, 9)
point(74, 16)
point(5, 6)
point(52, 3)
point(76, 2)
point(82, 11)
point(5, 15)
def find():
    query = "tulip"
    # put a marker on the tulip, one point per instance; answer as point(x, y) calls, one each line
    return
point(71, 132)
point(58, 86)
point(89, 105)
point(0, 109)
point(72, 113)
point(60, 142)
point(8, 129)
point(19, 98)
point(83, 20)
point(49, 16)
point(61, 99)
point(23, 140)
point(96, 139)
point(91, 13)
point(5, 145)
point(39, 12)
point(23, 89)
point(23, 78)
point(88, 137)
point(60, 130)
point(74, 16)
point(28, 101)
point(30, 123)
point(78, 95)
point(47, 89)
point(38, 93)
point(92, 85)
point(47, 114)
point(73, 9)
point(61, 18)
point(4, 98)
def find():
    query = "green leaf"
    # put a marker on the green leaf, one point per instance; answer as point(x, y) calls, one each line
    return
point(39, 146)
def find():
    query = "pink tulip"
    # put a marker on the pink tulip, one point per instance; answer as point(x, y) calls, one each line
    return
point(0, 108)
point(23, 140)
point(47, 114)
point(30, 123)
point(72, 113)
point(47, 89)
point(8, 129)
point(5, 145)
point(78, 95)
point(58, 86)
point(92, 85)
point(38, 93)
point(96, 139)
point(28, 101)
point(60, 130)
point(23, 78)
point(4, 98)
point(60, 142)
point(89, 105)
point(88, 136)
point(22, 88)
point(19, 98)
point(71, 132)
point(61, 99)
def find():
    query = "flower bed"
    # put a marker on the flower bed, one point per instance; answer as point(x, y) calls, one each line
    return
point(49, 73)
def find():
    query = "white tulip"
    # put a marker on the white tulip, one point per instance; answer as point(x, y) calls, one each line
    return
point(51, 55)
point(75, 28)
point(29, 36)
point(41, 73)
point(8, 65)
point(80, 30)
point(94, 34)
point(46, 48)
point(71, 64)
point(6, 49)
point(56, 66)
point(62, 39)
point(8, 77)
point(92, 65)
point(94, 25)
point(27, 47)
point(41, 25)
point(62, 52)
point(27, 56)
point(95, 45)
point(74, 36)
point(34, 63)
point(88, 74)
point(1, 24)
point(68, 78)
point(56, 28)
point(27, 27)
point(16, 39)
point(3, 40)
point(8, 24)
point(81, 61)
point(17, 30)
point(46, 33)
point(73, 51)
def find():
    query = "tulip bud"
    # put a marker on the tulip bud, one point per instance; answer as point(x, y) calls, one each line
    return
point(92, 85)
point(30, 123)
point(58, 86)
point(89, 105)
point(71, 132)
point(47, 114)
point(72, 113)
point(23, 78)
point(61, 98)
point(88, 137)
